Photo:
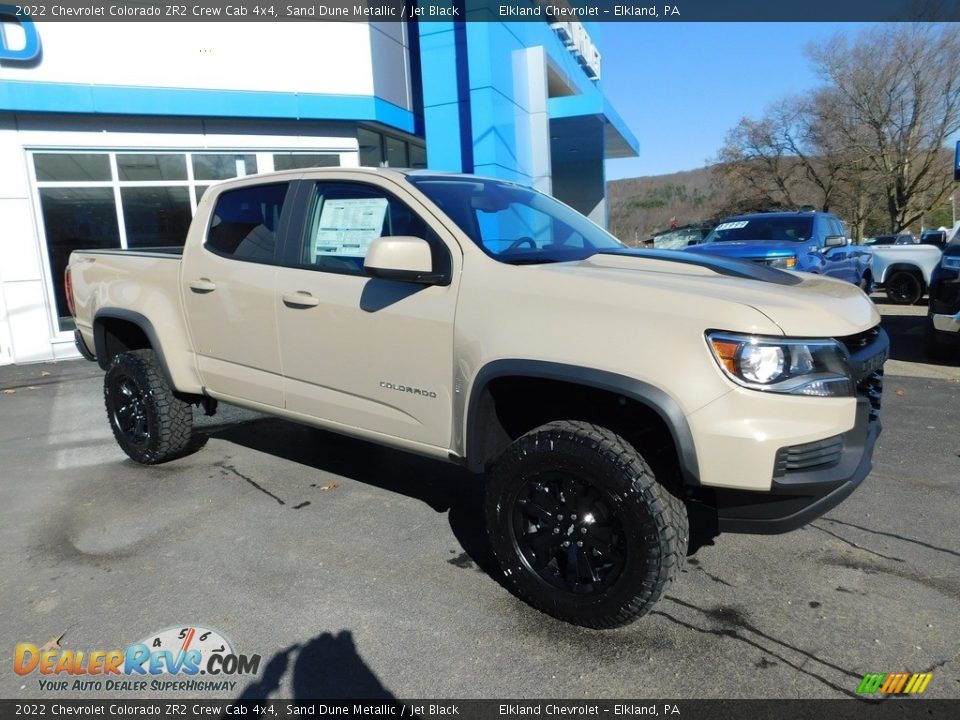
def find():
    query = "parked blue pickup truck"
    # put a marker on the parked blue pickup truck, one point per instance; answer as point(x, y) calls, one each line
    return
point(813, 242)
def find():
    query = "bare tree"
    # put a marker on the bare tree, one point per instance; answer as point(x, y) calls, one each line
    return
point(756, 165)
point(897, 95)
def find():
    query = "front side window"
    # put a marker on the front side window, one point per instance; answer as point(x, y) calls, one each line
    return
point(345, 218)
point(244, 222)
point(514, 224)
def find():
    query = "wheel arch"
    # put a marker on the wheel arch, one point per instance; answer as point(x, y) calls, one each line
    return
point(117, 330)
point(906, 267)
point(485, 436)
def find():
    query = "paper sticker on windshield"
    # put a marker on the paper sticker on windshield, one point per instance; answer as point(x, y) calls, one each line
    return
point(347, 227)
point(732, 225)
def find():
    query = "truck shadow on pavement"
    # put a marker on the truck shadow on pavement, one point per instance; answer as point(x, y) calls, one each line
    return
point(441, 486)
point(325, 667)
point(907, 338)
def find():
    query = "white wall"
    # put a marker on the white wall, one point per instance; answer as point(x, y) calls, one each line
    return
point(327, 58)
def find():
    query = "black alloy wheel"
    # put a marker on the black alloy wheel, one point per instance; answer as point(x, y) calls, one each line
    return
point(129, 410)
point(581, 528)
point(904, 288)
point(569, 533)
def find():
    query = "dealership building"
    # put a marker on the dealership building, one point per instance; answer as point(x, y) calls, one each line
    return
point(111, 131)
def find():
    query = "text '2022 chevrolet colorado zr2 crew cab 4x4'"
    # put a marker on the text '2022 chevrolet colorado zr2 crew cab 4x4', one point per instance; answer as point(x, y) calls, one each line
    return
point(610, 394)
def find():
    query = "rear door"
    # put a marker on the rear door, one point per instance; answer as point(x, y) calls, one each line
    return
point(228, 289)
point(357, 351)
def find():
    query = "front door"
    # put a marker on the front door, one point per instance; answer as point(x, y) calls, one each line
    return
point(357, 351)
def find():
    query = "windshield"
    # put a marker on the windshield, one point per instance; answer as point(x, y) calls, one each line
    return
point(797, 229)
point(514, 224)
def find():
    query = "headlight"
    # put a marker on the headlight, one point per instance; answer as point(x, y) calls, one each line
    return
point(950, 262)
point(798, 367)
point(785, 263)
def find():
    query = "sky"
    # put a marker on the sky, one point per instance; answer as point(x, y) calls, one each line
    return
point(680, 87)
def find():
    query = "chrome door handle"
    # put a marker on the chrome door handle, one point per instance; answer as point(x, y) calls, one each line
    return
point(300, 299)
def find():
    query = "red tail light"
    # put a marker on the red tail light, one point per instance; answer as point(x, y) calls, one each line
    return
point(68, 289)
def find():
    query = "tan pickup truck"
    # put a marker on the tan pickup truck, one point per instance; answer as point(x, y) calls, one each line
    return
point(617, 399)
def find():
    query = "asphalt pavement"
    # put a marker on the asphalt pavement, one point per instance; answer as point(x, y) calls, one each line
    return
point(355, 570)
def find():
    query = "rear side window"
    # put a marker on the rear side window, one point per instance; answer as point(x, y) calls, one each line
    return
point(244, 222)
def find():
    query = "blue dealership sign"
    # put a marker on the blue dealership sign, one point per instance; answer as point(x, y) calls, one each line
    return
point(31, 47)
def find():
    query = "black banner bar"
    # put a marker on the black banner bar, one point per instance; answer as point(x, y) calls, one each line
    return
point(868, 709)
point(486, 11)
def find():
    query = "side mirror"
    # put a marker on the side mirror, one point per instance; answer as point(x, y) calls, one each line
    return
point(403, 258)
point(832, 241)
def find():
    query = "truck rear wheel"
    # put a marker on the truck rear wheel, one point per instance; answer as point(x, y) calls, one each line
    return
point(580, 526)
point(149, 422)
point(904, 288)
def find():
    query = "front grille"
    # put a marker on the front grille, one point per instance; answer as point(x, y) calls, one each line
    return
point(820, 454)
point(871, 388)
point(856, 343)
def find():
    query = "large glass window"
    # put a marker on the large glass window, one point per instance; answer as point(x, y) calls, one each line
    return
point(156, 216)
point(371, 148)
point(219, 166)
point(76, 218)
point(296, 161)
point(142, 166)
point(378, 150)
point(66, 167)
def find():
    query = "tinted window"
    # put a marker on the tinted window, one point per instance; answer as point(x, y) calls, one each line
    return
point(73, 219)
point(156, 216)
point(346, 217)
point(223, 166)
point(60, 167)
point(244, 222)
point(151, 167)
point(795, 228)
point(294, 161)
point(515, 224)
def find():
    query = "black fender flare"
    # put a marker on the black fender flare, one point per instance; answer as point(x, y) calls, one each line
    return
point(646, 394)
point(135, 318)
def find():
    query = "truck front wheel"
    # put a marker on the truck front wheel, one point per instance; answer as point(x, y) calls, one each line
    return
point(904, 288)
point(150, 423)
point(580, 526)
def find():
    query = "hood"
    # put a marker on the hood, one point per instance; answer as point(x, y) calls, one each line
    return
point(752, 249)
point(800, 304)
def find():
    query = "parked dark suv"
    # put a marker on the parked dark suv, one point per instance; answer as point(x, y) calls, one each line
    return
point(943, 318)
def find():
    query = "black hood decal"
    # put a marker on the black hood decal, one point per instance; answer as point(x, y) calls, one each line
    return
point(720, 265)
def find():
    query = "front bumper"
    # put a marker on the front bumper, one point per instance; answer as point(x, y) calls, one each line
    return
point(946, 323)
point(799, 495)
point(810, 478)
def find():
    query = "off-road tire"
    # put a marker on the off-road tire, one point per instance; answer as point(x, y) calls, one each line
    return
point(904, 288)
point(150, 423)
point(652, 521)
